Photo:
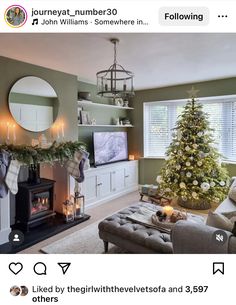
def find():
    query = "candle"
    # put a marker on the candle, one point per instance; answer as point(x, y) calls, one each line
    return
point(52, 133)
point(168, 210)
point(58, 134)
point(131, 157)
point(62, 130)
point(14, 133)
point(8, 131)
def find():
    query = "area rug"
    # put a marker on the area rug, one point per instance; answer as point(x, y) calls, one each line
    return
point(84, 241)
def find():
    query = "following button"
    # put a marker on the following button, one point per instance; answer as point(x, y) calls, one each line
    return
point(184, 16)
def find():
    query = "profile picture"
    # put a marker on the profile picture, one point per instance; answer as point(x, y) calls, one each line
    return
point(24, 291)
point(15, 16)
point(15, 291)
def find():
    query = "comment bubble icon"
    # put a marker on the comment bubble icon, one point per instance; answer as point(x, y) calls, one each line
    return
point(40, 268)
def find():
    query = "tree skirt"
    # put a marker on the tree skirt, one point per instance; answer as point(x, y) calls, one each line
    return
point(84, 241)
point(194, 204)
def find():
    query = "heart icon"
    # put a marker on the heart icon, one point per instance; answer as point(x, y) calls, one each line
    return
point(15, 267)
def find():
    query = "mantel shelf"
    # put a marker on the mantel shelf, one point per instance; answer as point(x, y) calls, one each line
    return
point(92, 104)
point(113, 126)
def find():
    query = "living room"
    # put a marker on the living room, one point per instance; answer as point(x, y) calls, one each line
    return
point(169, 69)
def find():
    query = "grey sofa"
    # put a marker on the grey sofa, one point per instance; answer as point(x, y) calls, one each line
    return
point(198, 238)
point(186, 236)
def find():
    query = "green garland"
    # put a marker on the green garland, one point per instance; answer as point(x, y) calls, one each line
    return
point(60, 152)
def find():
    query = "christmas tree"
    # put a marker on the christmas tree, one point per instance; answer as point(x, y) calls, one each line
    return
point(193, 170)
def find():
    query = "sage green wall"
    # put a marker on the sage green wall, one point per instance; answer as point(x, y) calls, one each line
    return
point(65, 85)
point(102, 116)
point(149, 168)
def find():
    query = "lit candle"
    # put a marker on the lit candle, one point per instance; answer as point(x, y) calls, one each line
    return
point(131, 157)
point(8, 131)
point(58, 134)
point(14, 133)
point(62, 130)
point(168, 210)
point(52, 132)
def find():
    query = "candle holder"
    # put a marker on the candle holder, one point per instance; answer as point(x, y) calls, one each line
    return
point(34, 174)
point(68, 211)
point(78, 200)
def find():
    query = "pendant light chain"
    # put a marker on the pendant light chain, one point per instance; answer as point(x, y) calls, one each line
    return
point(115, 82)
point(115, 56)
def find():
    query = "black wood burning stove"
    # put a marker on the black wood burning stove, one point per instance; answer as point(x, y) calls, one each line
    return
point(34, 203)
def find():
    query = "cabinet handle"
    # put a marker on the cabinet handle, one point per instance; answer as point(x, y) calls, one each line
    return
point(99, 184)
point(127, 176)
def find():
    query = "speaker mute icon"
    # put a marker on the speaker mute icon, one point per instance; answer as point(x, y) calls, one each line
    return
point(64, 267)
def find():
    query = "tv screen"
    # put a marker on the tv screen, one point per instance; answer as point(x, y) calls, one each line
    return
point(110, 147)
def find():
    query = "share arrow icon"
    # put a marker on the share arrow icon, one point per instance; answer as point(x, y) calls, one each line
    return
point(64, 267)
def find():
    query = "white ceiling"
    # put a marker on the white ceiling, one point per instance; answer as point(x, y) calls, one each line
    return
point(157, 60)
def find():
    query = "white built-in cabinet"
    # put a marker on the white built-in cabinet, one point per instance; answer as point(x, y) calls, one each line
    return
point(107, 182)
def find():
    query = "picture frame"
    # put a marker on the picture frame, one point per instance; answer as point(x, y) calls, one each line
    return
point(79, 115)
point(85, 118)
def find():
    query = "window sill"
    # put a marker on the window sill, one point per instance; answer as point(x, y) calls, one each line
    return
point(163, 158)
point(228, 162)
point(156, 157)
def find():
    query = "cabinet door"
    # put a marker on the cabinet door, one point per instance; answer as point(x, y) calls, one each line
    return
point(117, 180)
point(104, 184)
point(131, 175)
point(90, 188)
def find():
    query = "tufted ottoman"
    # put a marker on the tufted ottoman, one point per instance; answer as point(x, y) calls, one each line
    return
point(133, 237)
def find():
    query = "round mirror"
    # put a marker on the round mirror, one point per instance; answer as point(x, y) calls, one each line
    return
point(33, 103)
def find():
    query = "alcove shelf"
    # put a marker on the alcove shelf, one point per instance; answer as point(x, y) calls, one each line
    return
point(113, 126)
point(92, 104)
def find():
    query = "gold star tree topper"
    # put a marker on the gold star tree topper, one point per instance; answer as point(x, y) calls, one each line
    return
point(193, 92)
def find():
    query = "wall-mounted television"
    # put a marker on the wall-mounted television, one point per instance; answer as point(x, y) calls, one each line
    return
point(110, 147)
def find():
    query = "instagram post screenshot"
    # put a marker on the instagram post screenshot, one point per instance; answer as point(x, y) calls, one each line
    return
point(117, 152)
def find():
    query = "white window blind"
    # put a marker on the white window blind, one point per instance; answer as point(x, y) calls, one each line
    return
point(160, 119)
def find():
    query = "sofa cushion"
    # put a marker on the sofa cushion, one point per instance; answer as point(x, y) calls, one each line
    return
point(219, 221)
point(226, 206)
point(232, 192)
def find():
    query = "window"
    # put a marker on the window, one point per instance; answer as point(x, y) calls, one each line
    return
point(160, 119)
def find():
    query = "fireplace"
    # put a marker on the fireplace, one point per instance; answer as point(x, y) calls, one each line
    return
point(34, 204)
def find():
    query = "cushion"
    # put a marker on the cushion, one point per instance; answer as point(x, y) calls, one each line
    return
point(232, 192)
point(230, 215)
point(219, 221)
point(226, 206)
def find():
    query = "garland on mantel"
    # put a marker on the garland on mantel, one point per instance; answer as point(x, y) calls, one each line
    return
point(27, 154)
